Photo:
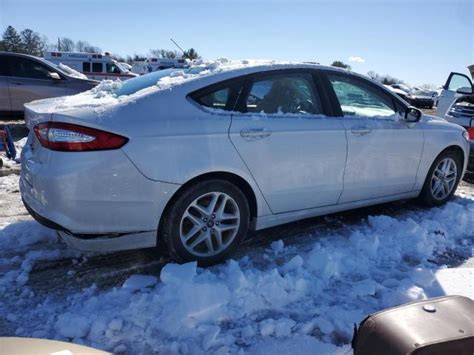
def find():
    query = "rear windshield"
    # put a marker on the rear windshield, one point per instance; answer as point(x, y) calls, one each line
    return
point(131, 86)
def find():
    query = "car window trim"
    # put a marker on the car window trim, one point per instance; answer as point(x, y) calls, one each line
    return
point(397, 105)
point(251, 78)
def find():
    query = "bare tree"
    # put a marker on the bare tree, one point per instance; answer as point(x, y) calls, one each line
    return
point(80, 45)
point(163, 53)
point(66, 45)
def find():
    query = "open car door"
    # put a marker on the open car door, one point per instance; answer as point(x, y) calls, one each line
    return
point(457, 85)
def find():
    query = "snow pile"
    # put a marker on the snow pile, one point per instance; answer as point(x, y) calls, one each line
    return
point(302, 299)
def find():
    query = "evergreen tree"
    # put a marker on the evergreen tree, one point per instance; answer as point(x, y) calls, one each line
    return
point(12, 41)
point(191, 54)
point(340, 64)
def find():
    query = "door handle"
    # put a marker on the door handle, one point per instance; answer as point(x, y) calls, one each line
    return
point(360, 130)
point(254, 134)
point(16, 83)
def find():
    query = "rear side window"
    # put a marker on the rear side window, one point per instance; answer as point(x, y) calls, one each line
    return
point(86, 67)
point(284, 93)
point(360, 99)
point(223, 97)
point(97, 67)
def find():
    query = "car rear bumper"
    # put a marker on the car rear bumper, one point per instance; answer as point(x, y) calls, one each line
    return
point(110, 243)
point(93, 193)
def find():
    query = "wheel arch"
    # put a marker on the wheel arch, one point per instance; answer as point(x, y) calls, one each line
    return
point(233, 178)
point(454, 148)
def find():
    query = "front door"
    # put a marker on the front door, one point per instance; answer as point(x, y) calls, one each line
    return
point(383, 151)
point(295, 152)
point(448, 94)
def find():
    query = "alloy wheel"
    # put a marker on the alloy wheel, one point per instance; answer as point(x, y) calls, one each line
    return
point(209, 224)
point(444, 178)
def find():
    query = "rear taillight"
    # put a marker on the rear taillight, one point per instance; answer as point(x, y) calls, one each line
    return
point(74, 138)
point(470, 131)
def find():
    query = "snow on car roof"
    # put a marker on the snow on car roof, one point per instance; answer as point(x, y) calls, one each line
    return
point(110, 92)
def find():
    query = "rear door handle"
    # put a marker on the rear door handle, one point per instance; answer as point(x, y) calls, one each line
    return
point(254, 134)
point(360, 130)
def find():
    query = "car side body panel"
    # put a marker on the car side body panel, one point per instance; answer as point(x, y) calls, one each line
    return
point(439, 135)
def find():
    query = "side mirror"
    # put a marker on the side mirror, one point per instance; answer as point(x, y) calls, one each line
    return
point(54, 76)
point(412, 114)
point(464, 90)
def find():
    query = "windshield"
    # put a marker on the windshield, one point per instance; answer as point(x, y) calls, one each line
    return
point(131, 86)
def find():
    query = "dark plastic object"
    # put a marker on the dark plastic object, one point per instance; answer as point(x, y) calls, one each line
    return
point(6, 143)
point(443, 325)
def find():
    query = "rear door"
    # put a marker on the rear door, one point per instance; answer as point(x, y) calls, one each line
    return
point(30, 80)
point(448, 95)
point(5, 105)
point(384, 152)
point(294, 150)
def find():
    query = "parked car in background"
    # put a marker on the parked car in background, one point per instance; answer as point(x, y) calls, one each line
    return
point(400, 93)
point(402, 87)
point(95, 66)
point(24, 78)
point(423, 98)
point(230, 148)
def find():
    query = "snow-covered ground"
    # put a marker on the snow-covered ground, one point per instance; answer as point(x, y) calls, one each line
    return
point(292, 289)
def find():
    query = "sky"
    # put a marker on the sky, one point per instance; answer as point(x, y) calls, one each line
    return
point(417, 41)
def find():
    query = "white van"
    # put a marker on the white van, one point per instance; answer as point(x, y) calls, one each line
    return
point(153, 64)
point(94, 65)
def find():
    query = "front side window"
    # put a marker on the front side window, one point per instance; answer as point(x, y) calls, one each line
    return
point(86, 67)
point(97, 67)
point(27, 68)
point(359, 99)
point(283, 94)
point(112, 68)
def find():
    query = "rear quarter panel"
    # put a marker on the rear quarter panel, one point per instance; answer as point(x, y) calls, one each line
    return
point(174, 140)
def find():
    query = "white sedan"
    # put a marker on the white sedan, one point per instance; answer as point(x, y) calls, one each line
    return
point(198, 157)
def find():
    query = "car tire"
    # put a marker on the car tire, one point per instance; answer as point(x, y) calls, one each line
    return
point(206, 222)
point(438, 187)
